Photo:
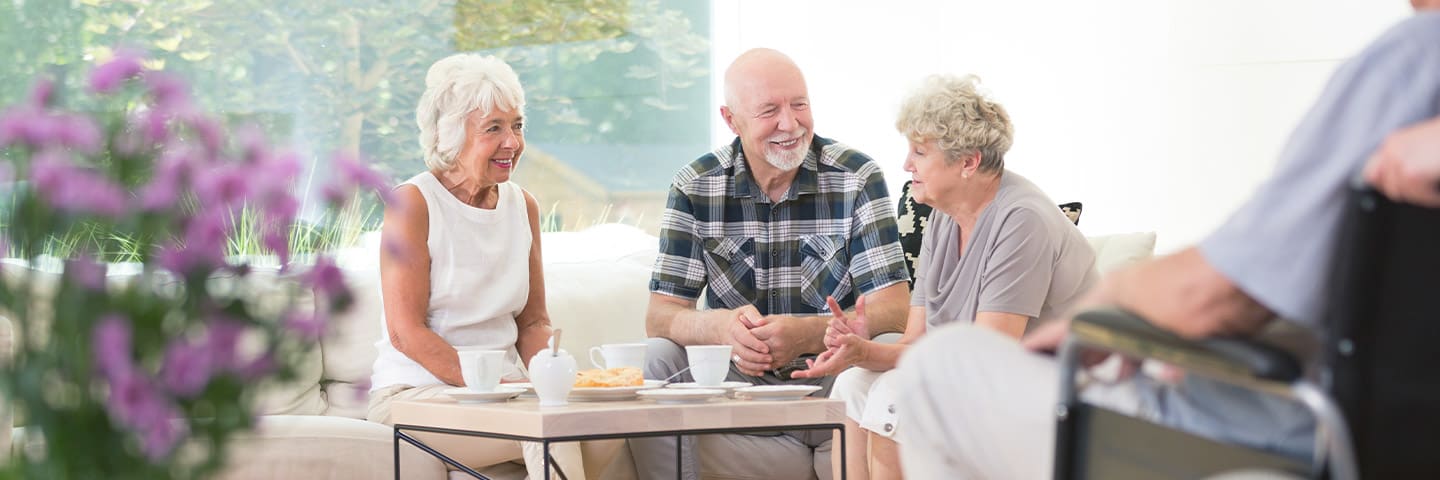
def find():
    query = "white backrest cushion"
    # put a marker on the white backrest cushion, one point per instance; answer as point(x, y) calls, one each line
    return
point(349, 346)
point(1118, 250)
point(270, 292)
point(597, 285)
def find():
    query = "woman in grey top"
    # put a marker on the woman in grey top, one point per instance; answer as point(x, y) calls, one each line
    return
point(997, 252)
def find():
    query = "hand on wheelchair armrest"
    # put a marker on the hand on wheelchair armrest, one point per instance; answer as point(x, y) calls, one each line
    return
point(1124, 332)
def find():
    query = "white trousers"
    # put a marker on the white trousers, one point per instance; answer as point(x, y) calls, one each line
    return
point(976, 404)
point(869, 399)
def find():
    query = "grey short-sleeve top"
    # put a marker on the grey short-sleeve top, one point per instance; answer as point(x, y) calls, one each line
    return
point(1024, 258)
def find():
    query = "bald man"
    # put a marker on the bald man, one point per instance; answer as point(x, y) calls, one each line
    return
point(767, 226)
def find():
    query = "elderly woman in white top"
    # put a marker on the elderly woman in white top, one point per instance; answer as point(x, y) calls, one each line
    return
point(460, 258)
point(997, 253)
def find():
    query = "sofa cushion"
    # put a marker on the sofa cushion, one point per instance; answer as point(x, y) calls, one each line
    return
point(271, 293)
point(597, 285)
point(314, 446)
point(1121, 249)
point(349, 346)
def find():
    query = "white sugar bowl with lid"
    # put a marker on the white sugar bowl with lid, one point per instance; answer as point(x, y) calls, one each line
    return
point(553, 375)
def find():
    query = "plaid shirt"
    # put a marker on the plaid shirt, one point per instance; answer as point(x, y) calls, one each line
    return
point(833, 234)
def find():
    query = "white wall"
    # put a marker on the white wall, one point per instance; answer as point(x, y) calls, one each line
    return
point(1157, 114)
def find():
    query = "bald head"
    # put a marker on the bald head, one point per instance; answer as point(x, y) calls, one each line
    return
point(768, 107)
point(758, 70)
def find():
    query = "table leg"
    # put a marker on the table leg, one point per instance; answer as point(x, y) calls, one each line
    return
point(551, 463)
point(843, 474)
point(545, 457)
point(395, 440)
point(679, 456)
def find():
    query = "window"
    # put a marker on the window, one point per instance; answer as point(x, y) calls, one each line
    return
point(617, 90)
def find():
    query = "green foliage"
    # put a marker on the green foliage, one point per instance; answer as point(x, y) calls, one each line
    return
point(345, 75)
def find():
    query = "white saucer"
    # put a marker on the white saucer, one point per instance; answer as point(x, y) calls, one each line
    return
point(527, 386)
point(611, 394)
point(776, 392)
point(727, 386)
point(681, 395)
point(500, 394)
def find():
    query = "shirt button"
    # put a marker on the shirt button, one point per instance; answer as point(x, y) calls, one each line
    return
point(891, 409)
point(774, 293)
point(889, 428)
point(774, 254)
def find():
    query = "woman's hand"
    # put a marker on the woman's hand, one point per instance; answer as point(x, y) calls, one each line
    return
point(850, 350)
point(841, 325)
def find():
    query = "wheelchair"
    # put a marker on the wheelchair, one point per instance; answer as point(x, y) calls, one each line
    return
point(1373, 388)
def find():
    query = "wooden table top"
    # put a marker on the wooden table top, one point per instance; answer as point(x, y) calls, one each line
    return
point(525, 416)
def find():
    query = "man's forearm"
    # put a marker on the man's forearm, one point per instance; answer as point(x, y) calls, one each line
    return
point(1183, 293)
point(681, 324)
point(887, 309)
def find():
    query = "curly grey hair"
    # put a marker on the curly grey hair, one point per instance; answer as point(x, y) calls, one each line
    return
point(950, 110)
point(455, 86)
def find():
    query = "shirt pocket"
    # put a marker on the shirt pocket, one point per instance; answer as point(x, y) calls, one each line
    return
point(730, 264)
point(824, 268)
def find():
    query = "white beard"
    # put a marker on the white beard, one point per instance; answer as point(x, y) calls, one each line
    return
point(787, 160)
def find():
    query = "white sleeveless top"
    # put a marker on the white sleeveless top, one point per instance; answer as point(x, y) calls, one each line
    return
point(479, 279)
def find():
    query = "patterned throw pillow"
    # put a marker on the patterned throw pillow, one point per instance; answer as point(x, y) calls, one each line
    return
point(912, 218)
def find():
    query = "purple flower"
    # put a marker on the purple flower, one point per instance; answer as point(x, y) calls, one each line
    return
point(335, 195)
point(281, 209)
point(77, 132)
point(310, 327)
point(110, 342)
point(154, 125)
point(222, 186)
point(355, 174)
point(86, 273)
point(42, 93)
point(186, 368)
point(326, 279)
point(135, 402)
point(257, 367)
point(12, 124)
point(168, 90)
point(202, 246)
point(26, 124)
point(108, 77)
point(276, 240)
point(211, 136)
point(70, 188)
point(222, 340)
point(272, 175)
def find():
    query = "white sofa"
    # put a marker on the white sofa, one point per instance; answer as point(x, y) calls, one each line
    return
point(596, 290)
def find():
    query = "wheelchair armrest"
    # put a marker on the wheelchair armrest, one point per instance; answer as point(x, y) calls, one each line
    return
point(1122, 331)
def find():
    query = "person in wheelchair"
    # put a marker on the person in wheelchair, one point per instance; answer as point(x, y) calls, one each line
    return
point(978, 405)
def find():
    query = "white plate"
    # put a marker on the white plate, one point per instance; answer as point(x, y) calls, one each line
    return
point(527, 386)
point(727, 386)
point(501, 393)
point(776, 392)
point(610, 394)
point(681, 395)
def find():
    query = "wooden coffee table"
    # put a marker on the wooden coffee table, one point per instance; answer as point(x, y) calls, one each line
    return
point(524, 419)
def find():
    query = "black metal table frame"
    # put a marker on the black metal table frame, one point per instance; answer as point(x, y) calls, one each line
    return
point(545, 442)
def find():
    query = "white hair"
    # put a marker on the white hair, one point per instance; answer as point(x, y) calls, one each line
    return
point(455, 86)
point(951, 110)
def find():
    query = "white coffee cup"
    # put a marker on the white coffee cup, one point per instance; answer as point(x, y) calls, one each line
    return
point(616, 355)
point(481, 369)
point(709, 364)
